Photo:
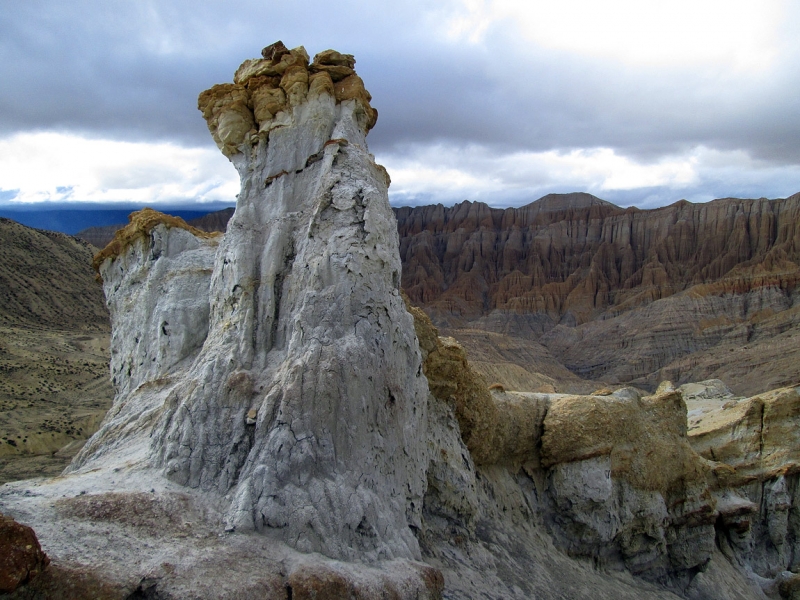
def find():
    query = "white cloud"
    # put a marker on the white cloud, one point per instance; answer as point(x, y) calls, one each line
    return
point(456, 171)
point(741, 34)
point(49, 166)
point(449, 174)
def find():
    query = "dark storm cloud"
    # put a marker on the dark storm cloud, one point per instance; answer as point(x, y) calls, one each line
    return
point(551, 101)
point(133, 71)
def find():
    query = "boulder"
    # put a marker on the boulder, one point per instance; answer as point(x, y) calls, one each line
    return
point(21, 556)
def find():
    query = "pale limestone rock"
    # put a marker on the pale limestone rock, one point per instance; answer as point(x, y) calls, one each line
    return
point(754, 442)
point(301, 402)
point(628, 489)
point(159, 304)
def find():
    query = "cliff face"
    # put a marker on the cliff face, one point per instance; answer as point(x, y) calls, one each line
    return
point(574, 257)
point(255, 353)
point(579, 263)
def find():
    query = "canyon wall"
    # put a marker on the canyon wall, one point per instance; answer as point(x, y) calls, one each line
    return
point(570, 271)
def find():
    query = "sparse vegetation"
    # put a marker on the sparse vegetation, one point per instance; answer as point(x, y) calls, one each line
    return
point(54, 329)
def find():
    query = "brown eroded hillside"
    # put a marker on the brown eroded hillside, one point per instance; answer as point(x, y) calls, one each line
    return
point(624, 295)
point(46, 281)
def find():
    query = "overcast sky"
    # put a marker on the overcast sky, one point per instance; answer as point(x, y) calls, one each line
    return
point(639, 102)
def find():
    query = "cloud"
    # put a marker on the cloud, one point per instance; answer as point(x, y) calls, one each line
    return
point(531, 95)
point(737, 33)
point(448, 174)
point(55, 167)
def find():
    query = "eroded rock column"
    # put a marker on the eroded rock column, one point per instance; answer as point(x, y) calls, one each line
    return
point(305, 409)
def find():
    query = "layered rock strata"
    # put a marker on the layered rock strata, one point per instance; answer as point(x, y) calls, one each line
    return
point(576, 274)
point(569, 258)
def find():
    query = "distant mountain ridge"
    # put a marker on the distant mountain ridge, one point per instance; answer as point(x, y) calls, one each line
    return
point(213, 221)
point(69, 219)
point(574, 256)
point(47, 281)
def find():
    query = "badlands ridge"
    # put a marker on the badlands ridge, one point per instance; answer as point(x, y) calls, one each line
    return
point(287, 425)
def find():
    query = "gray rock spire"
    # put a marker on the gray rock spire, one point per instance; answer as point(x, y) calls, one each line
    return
point(281, 371)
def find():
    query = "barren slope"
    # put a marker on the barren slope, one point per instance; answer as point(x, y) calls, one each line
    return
point(54, 340)
point(46, 281)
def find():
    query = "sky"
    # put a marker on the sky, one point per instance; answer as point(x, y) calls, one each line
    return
point(638, 102)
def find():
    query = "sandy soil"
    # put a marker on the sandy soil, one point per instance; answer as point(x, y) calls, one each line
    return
point(54, 392)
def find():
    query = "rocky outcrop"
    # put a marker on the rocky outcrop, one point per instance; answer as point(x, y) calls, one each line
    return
point(495, 429)
point(753, 442)
point(278, 370)
point(627, 486)
point(612, 477)
point(646, 485)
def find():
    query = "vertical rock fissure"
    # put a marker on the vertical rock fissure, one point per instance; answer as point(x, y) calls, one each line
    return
point(277, 293)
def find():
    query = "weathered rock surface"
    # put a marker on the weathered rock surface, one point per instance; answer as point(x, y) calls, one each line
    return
point(754, 443)
point(279, 370)
point(21, 556)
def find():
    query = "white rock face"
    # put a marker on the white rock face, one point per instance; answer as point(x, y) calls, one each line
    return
point(158, 296)
point(287, 381)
